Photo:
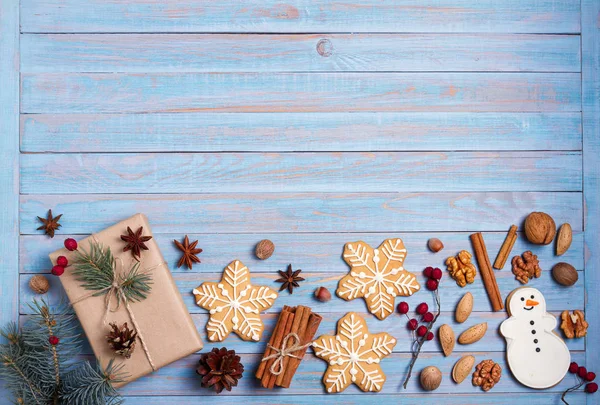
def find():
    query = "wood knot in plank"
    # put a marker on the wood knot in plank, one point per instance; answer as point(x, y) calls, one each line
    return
point(325, 47)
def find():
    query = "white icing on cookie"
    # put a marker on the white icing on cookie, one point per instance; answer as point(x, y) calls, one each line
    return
point(537, 357)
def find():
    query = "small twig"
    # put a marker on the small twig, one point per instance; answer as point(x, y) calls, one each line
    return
point(423, 339)
point(574, 388)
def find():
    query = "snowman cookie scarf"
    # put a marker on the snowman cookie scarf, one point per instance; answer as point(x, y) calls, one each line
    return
point(537, 357)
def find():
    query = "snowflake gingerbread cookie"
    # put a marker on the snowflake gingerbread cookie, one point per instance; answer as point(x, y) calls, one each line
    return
point(377, 275)
point(234, 304)
point(353, 355)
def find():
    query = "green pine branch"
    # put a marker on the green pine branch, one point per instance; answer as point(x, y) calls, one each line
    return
point(40, 373)
point(95, 271)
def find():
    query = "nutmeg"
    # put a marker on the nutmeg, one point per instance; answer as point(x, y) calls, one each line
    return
point(431, 378)
point(540, 228)
point(435, 245)
point(264, 249)
point(39, 284)
point(564, 274)
point(322, 294)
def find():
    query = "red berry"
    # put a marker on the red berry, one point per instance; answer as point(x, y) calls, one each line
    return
point(428, 317)
point(573, 368)
point(422, 308)
point(62, 261)
point(422, 330)
point(412, 324)
point(582, 372)
point(429, 336)
point(590, 388)
point(71, 244)
point(432, 284)
point(57, 270)
point(590, 376)
point(403, 307)
point(53, 340)
point(427, 272)
point(436, 274)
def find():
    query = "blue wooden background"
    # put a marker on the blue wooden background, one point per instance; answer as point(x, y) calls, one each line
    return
point(311, 124)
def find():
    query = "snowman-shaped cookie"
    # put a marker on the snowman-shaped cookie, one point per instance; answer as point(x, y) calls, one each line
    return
point(537, 357)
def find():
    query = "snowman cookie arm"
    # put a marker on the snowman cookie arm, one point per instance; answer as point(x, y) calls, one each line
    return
point(549, 322)
point(508, 328)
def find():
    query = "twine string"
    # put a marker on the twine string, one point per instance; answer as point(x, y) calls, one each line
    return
point(280, 354)
point(116, 289)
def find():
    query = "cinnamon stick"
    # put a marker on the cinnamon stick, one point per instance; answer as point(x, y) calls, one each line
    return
point(270, 382)
point(263, 372)
point(301, 311)
point(313, 322)
point(506, 248)
point(487, 273)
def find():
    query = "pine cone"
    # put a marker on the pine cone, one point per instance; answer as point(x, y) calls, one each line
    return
point(122, 340)
point(220, 368)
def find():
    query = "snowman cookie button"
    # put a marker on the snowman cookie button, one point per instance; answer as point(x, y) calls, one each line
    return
point(537, 357)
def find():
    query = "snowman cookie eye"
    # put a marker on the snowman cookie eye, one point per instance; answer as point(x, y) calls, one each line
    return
point(532, 297)
point(522, 298)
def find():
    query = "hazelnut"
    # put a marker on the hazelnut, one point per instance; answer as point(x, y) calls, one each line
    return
point(322, 294)
point(431, 378)
point(39, 284)
point(264, 249)
point(564, 274)
point(435, 245)
point(540, 228)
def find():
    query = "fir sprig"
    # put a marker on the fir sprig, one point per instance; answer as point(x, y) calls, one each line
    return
point(42, 373)
point(96, 271)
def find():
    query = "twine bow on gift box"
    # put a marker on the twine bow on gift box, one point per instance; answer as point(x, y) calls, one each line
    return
point(280, 354)
point(97, 272)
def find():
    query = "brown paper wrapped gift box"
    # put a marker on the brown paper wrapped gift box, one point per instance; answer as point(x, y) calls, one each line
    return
point(163, 319)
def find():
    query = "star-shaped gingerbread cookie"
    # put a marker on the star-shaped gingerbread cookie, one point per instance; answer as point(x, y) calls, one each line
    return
point(234, 304)
point(353, 355)
point(377, 275)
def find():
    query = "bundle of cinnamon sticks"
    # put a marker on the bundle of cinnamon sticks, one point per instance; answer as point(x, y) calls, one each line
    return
point(278, 364)
point(486, 271)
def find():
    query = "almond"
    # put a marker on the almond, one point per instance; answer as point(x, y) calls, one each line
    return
point(473, 334)
point(447, 339)
point(462, 368)
point(464, 308)
point(564, 239)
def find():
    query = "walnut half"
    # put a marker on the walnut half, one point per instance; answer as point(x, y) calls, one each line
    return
point(526, 267)
point(487, 374)
point(461, 269)
point(573, 325)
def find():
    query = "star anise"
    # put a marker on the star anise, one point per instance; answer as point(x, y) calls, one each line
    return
point(135, 242)
point(289, 278)
point(189, 252)
point(50, 224)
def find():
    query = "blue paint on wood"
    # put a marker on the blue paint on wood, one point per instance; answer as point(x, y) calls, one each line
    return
point(288, 132)
point(299, 92)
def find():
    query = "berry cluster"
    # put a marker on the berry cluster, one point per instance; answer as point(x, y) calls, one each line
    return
point(413, 324)
point(585, 378)
point(434, 276)
point(61, 261)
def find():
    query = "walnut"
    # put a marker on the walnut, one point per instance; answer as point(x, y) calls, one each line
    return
point(526, 267)
point(573, 325)
point(487, 374)
point(461, 269)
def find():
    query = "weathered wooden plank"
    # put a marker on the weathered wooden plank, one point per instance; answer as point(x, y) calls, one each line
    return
point(270, 132)
point(314, 252)
point(300, 172)
point(537, 16)
point(182, 379)
point(421, 398)
point(394, 325)
point(450, 294)
point(300, 92)
point(303, 212)
point(590, 42)
point(297, 53)
point(9, 162)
